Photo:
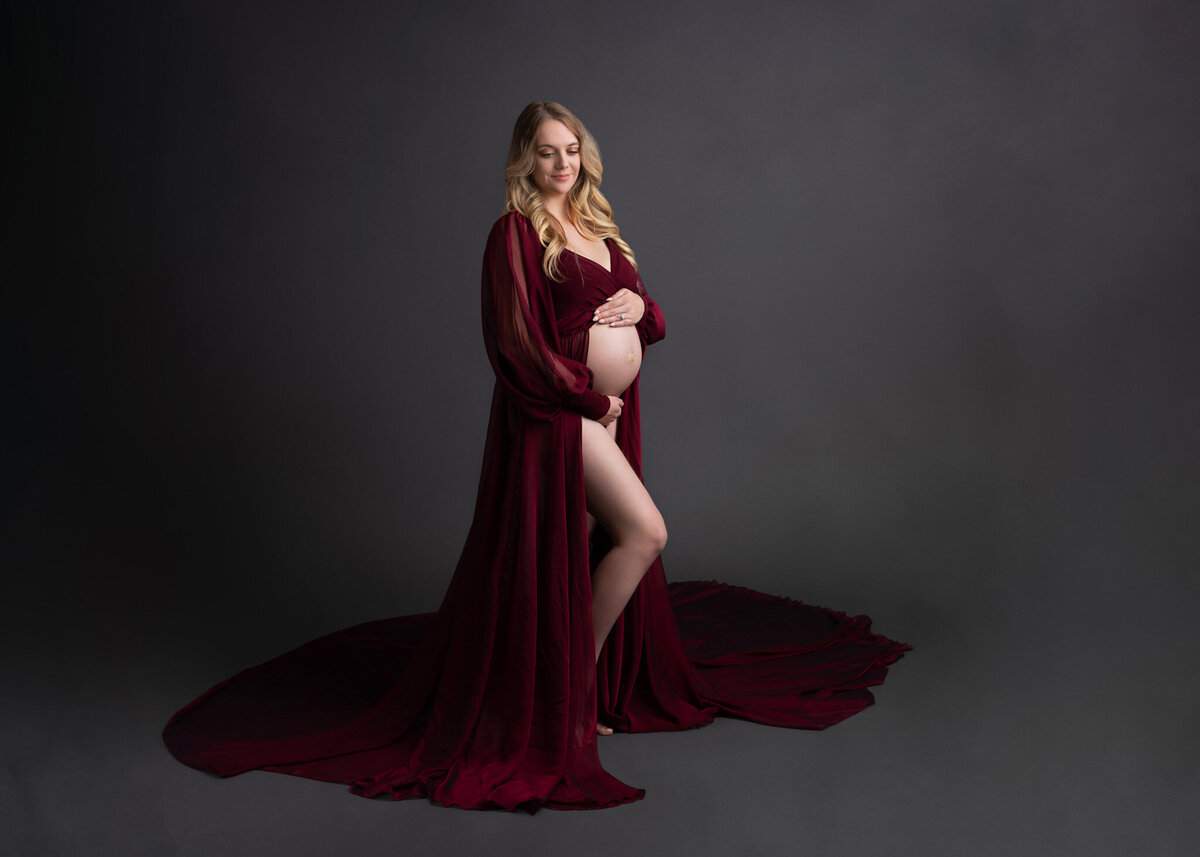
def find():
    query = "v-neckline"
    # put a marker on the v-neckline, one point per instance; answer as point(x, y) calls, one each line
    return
point(608, 249)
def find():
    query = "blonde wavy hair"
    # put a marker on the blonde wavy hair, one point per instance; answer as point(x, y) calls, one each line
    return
point(589, 211)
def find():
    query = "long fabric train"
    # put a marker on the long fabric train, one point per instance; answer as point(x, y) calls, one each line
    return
point(492, 701)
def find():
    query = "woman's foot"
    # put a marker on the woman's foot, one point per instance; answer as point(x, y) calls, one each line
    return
point(603, 729)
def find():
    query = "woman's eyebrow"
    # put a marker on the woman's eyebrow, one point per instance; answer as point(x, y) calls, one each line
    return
point(551, 145)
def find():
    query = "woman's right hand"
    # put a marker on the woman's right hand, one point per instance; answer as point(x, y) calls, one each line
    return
point(614, 411)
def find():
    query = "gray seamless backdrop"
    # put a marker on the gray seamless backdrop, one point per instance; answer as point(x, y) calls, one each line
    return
point(929, 271)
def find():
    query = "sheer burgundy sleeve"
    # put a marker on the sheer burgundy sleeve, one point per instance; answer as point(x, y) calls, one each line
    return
point(519, 328)
point(652, 327)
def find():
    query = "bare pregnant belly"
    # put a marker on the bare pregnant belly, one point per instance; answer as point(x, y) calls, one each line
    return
point(614, 356)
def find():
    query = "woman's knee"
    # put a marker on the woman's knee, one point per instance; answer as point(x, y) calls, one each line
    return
point(650, 535)
point(658, 536)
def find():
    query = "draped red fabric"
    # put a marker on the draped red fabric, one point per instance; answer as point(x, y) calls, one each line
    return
point(492, 701)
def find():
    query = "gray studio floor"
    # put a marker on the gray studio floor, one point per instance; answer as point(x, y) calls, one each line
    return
point(977, 747)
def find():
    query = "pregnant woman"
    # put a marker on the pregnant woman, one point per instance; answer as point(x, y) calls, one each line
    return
point(558, 623)
point(599, 303)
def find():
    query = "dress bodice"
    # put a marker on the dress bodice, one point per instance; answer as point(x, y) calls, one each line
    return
point(586, 284)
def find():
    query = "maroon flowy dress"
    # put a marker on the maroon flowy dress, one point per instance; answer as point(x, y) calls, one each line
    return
point(492, 701)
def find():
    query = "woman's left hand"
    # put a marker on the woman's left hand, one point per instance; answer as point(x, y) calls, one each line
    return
point(623, 309)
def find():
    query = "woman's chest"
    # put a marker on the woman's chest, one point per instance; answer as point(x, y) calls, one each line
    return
point(584, 285)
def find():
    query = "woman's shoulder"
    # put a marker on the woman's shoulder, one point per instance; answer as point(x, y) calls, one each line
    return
point(513, 231)
point(513, 225)
point(512, 220)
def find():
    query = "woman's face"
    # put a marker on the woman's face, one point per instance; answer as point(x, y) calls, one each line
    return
point(556, 161)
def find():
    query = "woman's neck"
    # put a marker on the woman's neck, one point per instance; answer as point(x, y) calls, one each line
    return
point(556, 207)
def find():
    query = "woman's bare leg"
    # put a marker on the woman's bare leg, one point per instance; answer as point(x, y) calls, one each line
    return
point(611, 428)
point(619, 501)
